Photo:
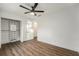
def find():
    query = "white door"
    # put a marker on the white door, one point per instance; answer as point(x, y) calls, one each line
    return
point(4, 31)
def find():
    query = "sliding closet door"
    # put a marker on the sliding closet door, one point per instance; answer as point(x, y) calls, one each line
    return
point(10, 30)
point(5, 30)
point(15, 31)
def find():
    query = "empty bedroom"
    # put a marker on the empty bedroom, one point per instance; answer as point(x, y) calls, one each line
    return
point(39, 29)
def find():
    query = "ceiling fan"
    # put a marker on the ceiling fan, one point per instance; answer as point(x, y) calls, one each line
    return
point(32, 10)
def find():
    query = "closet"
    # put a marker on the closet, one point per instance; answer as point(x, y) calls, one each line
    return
point(10, 30)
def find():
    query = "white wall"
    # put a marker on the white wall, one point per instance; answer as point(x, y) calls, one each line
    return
point(60, 28)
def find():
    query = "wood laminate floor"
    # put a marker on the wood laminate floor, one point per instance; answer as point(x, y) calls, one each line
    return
point(34, 48)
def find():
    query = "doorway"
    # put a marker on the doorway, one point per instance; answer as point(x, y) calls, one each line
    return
point(31, 30)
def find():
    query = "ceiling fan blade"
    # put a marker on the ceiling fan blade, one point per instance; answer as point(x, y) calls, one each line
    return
point(35, 5)
point(38, 11)
point(24, 7)
point(27, 12)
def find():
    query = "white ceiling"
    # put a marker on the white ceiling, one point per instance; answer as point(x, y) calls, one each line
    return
point(47, 7)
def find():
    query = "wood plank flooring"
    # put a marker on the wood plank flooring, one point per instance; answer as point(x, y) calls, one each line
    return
point(34, 48)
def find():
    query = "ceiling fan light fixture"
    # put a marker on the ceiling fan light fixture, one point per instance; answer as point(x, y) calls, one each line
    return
point(31, 13)
point(33, 10)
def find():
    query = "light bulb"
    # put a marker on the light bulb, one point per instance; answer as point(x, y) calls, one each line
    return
point(32, 13)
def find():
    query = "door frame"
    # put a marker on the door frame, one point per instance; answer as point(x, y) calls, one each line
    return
point(0, 32)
